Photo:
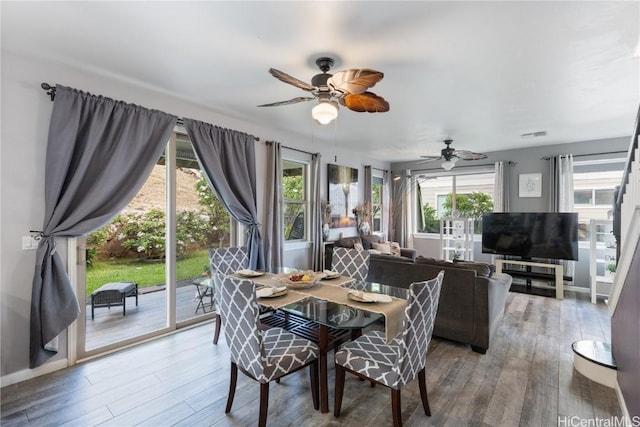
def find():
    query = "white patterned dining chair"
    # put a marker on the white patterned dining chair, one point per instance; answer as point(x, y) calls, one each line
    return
point(397, 363)
point(351, 263)
point(266, 355)
point(226, 261)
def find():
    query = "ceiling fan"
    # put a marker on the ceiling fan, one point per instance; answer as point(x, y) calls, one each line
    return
point(348, 87)
point(451, 156)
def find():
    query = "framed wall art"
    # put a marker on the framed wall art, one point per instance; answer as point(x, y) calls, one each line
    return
point(530, 185)
point(343, 195)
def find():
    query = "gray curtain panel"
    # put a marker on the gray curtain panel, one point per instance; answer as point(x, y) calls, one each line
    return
point(274, 207)
point(99, 154)
point(401, 230)
point(501, 187)
point(368, 181)
point(386, 202)
point(228, 158)
point(561, 193)
point(316, 217)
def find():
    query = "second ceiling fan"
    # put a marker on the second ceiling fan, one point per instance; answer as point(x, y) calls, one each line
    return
point(451, 156)
point(348, 88)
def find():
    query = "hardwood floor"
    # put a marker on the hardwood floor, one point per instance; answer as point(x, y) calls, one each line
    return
point(526, 378)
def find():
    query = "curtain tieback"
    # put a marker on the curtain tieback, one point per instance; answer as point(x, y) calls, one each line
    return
point(252, 226)
point(54, 245)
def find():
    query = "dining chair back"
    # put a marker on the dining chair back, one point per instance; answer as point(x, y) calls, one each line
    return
point(226, 261)
point(351, 263)
point(261, 355)
point(398, 362)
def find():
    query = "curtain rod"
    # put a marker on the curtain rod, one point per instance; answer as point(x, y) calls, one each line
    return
point(592, 154)
point(510, 163)
point(51, 91)
point(294, 149)
point(378, 169)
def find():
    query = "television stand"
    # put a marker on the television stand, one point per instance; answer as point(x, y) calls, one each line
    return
point(559, 272)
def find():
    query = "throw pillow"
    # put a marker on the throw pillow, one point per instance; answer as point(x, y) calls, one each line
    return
point(395, 248)
point(368, 239)
point(358, 246)
point(384, 248)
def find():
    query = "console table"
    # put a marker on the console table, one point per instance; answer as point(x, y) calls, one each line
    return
point(559, 272)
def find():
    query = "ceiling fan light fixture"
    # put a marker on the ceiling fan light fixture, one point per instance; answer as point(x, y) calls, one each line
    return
point(325, 111)
point(449, 164)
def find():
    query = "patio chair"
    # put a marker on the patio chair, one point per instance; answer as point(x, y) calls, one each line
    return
point(226, 261)
point(264, 356)
point(395, 364)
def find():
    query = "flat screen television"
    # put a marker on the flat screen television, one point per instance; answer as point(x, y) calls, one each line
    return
point(531, 235)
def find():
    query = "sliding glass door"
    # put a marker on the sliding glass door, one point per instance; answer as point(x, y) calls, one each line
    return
point(158, 243)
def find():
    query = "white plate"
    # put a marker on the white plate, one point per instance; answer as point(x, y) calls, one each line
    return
point(250, 273)
point(368, 297)
point(275, 292)
point(330, 274)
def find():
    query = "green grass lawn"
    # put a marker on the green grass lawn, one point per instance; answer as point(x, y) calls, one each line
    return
point(143, 273)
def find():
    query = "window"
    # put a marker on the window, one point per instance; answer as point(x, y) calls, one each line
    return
point(376, 203)
point(594, 197)
point(474, 196)
point(593, 189)
point(294, 192)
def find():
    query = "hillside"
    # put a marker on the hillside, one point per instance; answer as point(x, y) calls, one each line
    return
point(153, 193)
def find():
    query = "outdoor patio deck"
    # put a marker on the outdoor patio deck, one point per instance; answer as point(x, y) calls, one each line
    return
point(111, 326)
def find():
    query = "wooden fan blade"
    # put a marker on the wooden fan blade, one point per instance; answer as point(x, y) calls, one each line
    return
point(428, 159)
point(284, 77)
point(365, 102)
point(469, 155)
point(355, 80)
point(291, 101)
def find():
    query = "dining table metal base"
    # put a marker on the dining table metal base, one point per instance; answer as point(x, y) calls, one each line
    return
point(325, 337)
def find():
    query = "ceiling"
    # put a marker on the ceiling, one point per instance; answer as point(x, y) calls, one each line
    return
point(481, 73)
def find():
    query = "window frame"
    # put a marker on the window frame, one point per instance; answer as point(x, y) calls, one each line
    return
point(305, 202)
point(453, 174)
point(379, 205)
point(588, 211)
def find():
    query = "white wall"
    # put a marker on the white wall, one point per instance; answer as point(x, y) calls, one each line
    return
point(25, 120)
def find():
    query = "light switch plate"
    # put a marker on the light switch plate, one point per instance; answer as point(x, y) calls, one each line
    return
point(28, 243)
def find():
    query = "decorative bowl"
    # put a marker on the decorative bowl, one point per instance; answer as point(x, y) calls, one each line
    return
point(300, 279)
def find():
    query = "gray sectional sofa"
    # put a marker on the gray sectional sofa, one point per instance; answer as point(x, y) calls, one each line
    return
point(472, 299)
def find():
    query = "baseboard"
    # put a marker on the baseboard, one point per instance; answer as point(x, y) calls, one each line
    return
point(623, 405)
point(27, 374)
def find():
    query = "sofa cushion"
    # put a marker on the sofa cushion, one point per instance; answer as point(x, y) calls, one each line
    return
point(383, 248)
point(482, 269)
point(358, 246)
point(348, 242)
point(433, 261)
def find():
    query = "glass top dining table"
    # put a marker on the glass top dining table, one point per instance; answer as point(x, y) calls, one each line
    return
point(341, 316)
point(325, 315)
